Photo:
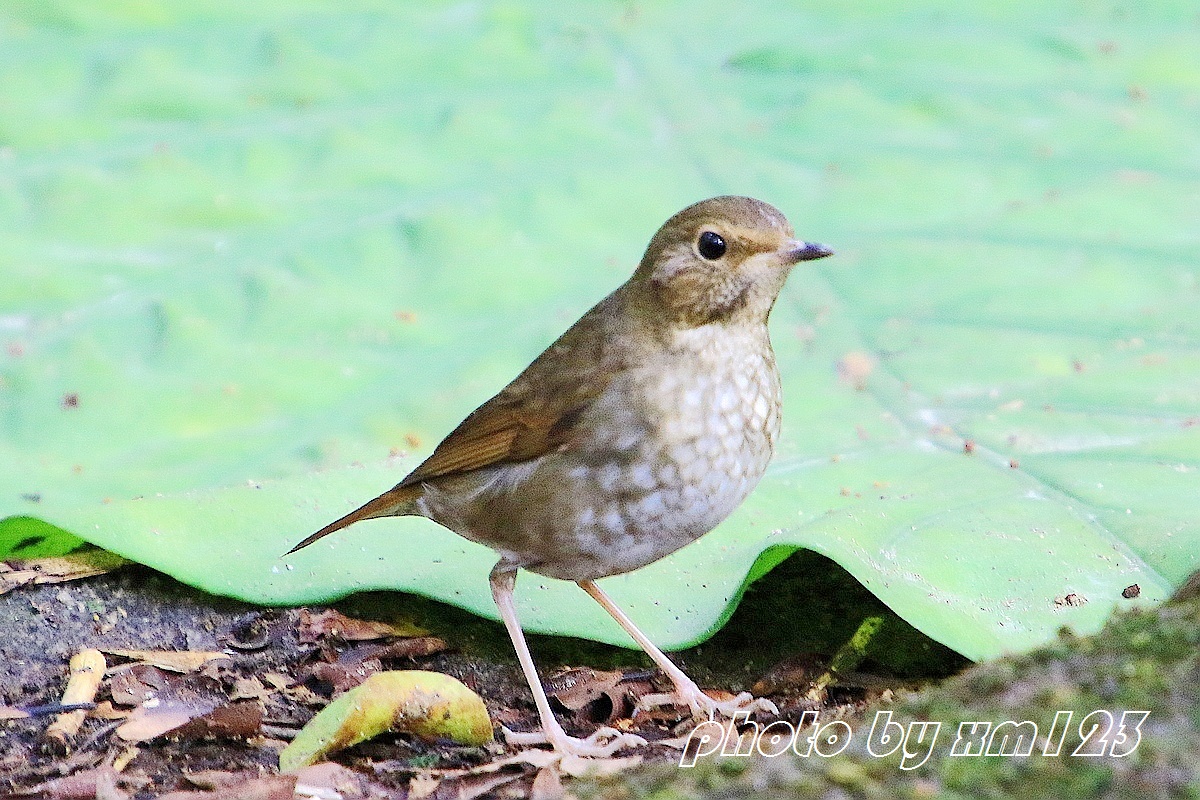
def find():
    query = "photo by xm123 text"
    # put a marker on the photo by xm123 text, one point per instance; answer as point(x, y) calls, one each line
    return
point(1100, 733)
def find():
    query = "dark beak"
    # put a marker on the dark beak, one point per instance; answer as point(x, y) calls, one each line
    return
point(805, 251)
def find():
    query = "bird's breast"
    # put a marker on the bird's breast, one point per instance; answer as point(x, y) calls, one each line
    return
point(672, 453)
point(670, 448)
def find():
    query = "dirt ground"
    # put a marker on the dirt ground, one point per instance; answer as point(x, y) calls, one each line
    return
point(282, 667)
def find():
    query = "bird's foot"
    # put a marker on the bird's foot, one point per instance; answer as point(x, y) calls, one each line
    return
point(601, 744)
point(704, 707)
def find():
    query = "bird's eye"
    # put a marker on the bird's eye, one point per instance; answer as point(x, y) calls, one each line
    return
point(711, 245)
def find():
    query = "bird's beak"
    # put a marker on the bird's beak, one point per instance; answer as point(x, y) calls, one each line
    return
point(796, 251)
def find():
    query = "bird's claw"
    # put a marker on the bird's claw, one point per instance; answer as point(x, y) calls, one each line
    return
point(601, 744)
point(704, 707)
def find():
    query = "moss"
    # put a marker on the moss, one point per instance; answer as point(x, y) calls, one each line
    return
point(1141, 661)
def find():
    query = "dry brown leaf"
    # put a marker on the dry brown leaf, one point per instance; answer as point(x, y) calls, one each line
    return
point(332, 623)
point(793, 675)
point(422, 786)
point(214, 778)
point(343, 677)
point(234, 721)
point(105, 710)
point(84, 563)
point(274, 787)
point(107, 789)
point(320, 780)
point(249, 688)
point(469, 787)
point(191, 719)
point(413, 648)
point(578, 767)
point(136, 684)
point(152, 720)
point(575, 688)
point(278, 680)
point(547, 784)
point(79, 786)
point(173, 660)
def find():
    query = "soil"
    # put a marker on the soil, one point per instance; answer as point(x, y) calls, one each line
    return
point(135, 608)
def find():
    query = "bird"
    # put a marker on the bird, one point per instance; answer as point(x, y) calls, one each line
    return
point(635, 433)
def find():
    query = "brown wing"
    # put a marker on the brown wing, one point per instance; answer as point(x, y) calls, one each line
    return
point(496, 433)
point(536, 414)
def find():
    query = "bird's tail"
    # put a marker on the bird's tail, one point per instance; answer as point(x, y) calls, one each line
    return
point(392, 503)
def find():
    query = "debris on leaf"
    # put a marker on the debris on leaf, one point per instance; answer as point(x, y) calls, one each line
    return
point(332, 623)
point(855, 367)
point(429, 704)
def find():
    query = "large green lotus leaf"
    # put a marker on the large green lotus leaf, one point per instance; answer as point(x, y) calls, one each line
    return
point(246, 245)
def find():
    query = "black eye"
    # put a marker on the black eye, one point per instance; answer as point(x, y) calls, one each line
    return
point(711, 245)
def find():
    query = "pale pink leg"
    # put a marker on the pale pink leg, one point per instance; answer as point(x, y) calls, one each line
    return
point(603, 742)
point(686, 690)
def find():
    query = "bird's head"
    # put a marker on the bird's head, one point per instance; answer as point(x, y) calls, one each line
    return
point(722, 258)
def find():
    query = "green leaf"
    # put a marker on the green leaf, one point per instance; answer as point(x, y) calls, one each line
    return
point(432, 705)
point(247, 245)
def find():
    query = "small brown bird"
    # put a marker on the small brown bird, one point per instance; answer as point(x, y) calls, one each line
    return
point(634, 434)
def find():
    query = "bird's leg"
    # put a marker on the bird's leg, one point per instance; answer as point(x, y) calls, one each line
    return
point(602, 743)
point(686, 690)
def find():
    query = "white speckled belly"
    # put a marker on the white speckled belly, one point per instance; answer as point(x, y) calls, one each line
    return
point(663, 457)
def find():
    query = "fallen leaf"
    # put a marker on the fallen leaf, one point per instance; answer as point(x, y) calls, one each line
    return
point(423, 785)
point(590, 694)
point(578, 767)
point(429, 704)
point(413, 647)
point(78, 786)
point(173, 660)
point(234, 721)
point(151, 720)
point(794, 675)
point(193, 718)
point(214, 778)
point(83, 563)
point(547, 784)
point(332, 623)
point(136, 685)
point(468, 787)
point(343, 677)
point(106, 710)
point(249, 688)
point(107, 789)
point(320, 780)
point(274, 787)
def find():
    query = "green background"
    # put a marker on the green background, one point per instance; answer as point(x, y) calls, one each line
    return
point(244, 245)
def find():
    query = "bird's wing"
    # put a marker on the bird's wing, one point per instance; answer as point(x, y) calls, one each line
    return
point(498, 432)
point(540, 410)
point(538, 413)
